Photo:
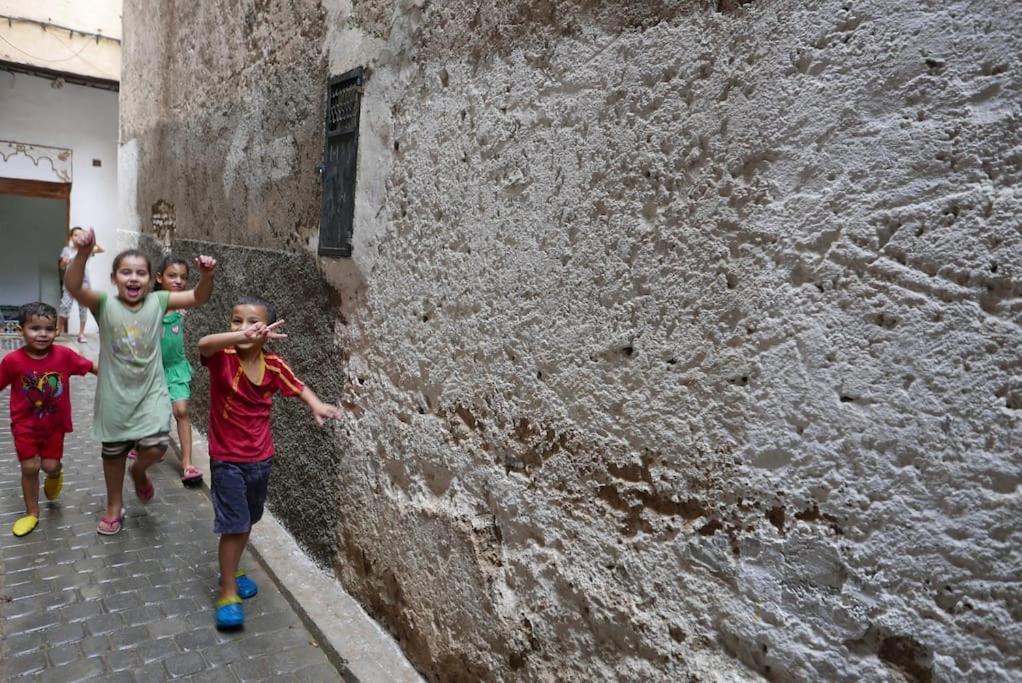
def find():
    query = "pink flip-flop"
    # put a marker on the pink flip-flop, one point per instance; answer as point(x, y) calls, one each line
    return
point(192, 476)
point(145, 493)
point(108, 526)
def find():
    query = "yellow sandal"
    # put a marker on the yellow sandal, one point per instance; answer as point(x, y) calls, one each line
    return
point(25, 525)
point(53, 485)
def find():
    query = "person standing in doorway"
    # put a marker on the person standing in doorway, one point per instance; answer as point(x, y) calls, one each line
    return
point(67, 254)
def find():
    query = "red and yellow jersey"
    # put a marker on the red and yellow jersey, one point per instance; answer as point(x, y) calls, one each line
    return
point(239, 409)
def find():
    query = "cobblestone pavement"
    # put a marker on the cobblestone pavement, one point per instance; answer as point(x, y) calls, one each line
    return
point(137, 606)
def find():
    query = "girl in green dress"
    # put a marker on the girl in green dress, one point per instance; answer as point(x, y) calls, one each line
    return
point(132, 402)
point(173, 277)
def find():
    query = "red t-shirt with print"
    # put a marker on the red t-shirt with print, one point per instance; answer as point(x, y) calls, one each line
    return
point(40, 389)
point(239, 409)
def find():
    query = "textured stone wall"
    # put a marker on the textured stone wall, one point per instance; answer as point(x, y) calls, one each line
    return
point(683, 337)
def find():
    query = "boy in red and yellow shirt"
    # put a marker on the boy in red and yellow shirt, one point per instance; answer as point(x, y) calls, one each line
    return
point(242, 380)
point(39, 375)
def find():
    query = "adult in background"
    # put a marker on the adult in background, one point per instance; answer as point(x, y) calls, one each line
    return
point(66, 300)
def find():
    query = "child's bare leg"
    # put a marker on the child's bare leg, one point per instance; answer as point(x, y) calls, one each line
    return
point(147, 457)
point(231, 548)
point(113, 473)
point(184, 432)
point(51, 466)
point(30, 486)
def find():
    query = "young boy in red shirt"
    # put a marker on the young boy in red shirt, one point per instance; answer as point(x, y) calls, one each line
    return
point(242, 380)
point(39, 374)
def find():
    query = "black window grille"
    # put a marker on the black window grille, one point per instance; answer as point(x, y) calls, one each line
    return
point(337, 214)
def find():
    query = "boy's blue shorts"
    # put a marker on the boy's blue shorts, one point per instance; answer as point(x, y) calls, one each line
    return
point(239, 494)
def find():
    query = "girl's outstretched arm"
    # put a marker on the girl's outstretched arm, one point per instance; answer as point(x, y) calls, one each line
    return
point(203, 290)
point(75, 275)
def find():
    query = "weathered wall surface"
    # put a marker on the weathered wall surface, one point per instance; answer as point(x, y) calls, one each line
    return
point(683, 337)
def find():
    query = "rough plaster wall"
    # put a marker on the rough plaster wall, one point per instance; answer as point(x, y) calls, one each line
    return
point(694, 336)
point(229, 128)
point(683, 335)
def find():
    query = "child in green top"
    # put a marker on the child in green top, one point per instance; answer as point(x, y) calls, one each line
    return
point(132, 403)
point(173, 277)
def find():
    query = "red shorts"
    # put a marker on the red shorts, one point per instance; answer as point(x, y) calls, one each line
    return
point(48, 446)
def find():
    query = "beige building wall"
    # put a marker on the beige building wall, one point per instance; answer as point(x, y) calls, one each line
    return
point(69, 36)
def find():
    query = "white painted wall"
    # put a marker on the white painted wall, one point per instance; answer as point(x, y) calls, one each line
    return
point(94, 16)
point(27, 41)
point(32, 232)
point(84, 120)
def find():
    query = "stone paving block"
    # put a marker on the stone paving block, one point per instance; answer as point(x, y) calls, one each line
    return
point(185, 606)
point(62, 655)
point(255, 668)
point(187, 664)
point(80, 611)
point(170, 626)
point(140, 616)
point(160, 595)
point(31, 589)
point(34, 621)
point(103, 624)
point(76, 671)
point(202, 618)
point(157, 650)
point(25, 664)
point(28, 562)
point(197, 639)
point(93, 592)
point(128, 637)
point(65, 633)
point(153, 673)
point(222, 653)
point(220, 675)
point(27, 574)
point(19, 608)
point(20, 643)
point(122, 601)
point(121, 660)
point(93, 646)
point(58, 599)
point(316, 673)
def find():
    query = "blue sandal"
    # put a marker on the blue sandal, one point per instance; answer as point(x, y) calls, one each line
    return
point(229, 613)
point(245, 586)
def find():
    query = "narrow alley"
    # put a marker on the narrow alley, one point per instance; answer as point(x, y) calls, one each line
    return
point(75, 605)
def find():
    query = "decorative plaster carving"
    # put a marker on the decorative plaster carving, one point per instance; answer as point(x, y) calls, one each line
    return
point(60, 158)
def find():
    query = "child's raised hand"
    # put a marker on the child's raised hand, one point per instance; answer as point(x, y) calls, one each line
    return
point(323, 411)
point(205, 264)
point(87, 239)
point(264, 331)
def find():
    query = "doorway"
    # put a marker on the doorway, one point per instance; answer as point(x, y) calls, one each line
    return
point(34, 217)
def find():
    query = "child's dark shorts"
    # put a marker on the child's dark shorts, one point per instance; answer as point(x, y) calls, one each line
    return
point(112, 450)
point(239, 494)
